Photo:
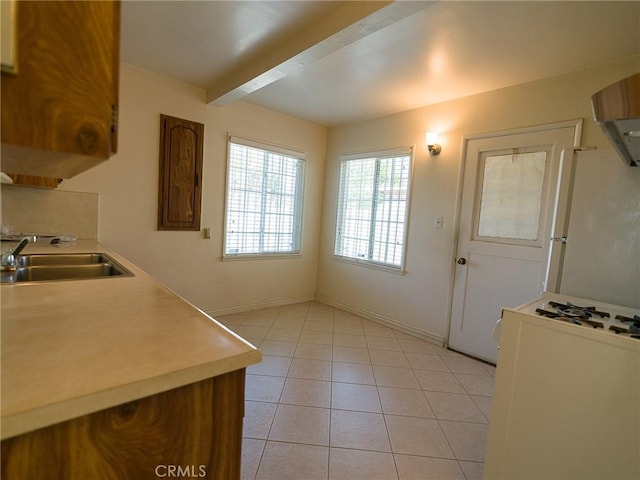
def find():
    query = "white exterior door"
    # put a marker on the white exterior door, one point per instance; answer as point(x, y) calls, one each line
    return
point(508, 192)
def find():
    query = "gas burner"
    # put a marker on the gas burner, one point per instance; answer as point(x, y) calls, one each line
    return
point(577, 311)
point(574, 312)
point(572, 317)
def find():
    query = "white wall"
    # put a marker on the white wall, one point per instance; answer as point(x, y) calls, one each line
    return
point(420, 299)
point(184, 261)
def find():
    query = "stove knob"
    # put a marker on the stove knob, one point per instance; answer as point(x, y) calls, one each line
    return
point(462, 261)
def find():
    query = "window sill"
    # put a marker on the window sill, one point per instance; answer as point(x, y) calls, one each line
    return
point(259, 256)
point(368, 264)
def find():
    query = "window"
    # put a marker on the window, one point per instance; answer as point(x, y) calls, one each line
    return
point(373, 207)
point(264, 199)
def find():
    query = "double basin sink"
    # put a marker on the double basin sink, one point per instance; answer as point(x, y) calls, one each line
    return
point(63, 266)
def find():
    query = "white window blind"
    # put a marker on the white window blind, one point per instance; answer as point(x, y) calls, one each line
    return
point(373, 207)
point(264, 199)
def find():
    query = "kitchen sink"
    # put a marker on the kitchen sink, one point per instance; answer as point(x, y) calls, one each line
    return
point(54, 267)
point(62, 259)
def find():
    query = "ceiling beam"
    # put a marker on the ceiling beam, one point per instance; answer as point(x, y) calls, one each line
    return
point(349, 22)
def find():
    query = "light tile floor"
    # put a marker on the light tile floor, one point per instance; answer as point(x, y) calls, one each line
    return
point(341, 397)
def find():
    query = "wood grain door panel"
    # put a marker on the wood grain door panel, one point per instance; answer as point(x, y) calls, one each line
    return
point(179, 197)
point(197, 428)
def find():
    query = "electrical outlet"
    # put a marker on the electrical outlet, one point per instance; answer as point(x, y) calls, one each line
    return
point(437, 222)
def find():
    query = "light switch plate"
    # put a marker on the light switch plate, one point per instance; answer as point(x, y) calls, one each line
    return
point(437, 222)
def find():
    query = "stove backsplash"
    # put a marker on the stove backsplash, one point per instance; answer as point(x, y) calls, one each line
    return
point(36, 210)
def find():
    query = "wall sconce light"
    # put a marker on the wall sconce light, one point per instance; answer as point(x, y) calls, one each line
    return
point(431, 139)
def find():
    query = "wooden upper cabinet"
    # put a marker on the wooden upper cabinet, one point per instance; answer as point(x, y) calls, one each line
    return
point(179, 192)
point(60, 107)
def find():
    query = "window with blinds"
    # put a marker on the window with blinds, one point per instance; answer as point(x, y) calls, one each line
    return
point(264, 199)
point(373, 207)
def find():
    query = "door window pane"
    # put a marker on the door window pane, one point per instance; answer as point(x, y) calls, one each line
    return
point(512, 188)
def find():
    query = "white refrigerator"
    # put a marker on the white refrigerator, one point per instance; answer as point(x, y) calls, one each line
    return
point(600, 242)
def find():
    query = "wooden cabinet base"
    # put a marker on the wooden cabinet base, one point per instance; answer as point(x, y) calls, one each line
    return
point(190, 432)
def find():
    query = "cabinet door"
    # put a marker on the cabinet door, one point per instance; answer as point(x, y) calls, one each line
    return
point(181, 147)
point(197, 427)
point(59, 108)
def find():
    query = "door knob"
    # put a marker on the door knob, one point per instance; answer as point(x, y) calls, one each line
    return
point(462, 261)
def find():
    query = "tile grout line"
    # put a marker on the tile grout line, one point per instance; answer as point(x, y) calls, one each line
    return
point(333, 320)
point(386, 426)
point(386, 362)
point(266, 442)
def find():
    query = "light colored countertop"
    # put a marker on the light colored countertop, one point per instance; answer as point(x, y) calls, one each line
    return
point(70, 348)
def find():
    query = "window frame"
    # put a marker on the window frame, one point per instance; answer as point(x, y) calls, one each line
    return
point(339, 224)
point(298, 217)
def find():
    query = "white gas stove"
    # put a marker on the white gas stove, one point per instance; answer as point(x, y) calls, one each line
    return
point(567, 392)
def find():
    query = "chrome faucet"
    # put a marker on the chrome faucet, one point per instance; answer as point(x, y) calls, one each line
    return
point(9, 257)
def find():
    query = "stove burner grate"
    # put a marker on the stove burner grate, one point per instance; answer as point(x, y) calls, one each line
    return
point(630, 332)
point(622, 318)
point(578, 311)
point(576, 320)
point(628, 327)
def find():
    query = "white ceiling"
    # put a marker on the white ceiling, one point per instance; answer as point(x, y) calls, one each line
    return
point(334, 63)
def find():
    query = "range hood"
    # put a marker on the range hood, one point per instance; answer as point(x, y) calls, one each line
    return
point(616, 109)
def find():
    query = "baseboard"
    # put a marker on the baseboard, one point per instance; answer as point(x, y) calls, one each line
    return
point(361, 312)
point(247, 307)
point(383, 320)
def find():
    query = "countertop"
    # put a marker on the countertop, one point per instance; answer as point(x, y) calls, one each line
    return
point(74, 347)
